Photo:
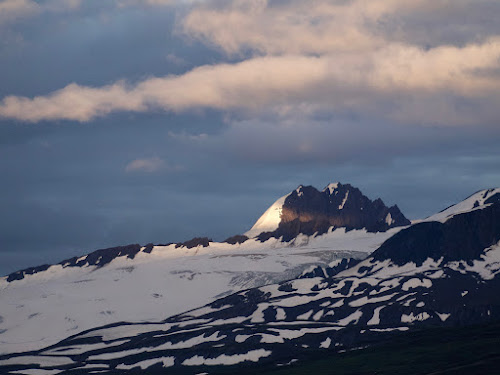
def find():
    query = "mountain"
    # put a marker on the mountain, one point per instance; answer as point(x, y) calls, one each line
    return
point(430, 275)
point(43, 305)
point(307, 210)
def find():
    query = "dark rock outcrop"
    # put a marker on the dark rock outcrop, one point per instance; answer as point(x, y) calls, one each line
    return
point(238, 239)
point(97, 258)
point(194, 242)
point(148, 248)
point(309, 211)
point(19, 275)
point(463, 237)
point(330, 271)
point(102, 257)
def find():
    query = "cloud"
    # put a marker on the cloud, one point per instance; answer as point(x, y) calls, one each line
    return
point(174, 59)
point(183, 136)
point(145, 165)
point(339, 141)
point(321, 26)
point(336, 56)
point(285, 27)
point(10, 10)
point(13, 9)
point(342, 81)
point(151, 165)
point(125, 3)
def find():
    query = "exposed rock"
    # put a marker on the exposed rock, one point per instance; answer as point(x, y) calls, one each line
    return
point(149, 248)
point(97, 258)
point(197, 241)
point(238, 239)
point(103, 256)
point(19, 275)
point(309, 211)
point(330, 271)
point(463, 237)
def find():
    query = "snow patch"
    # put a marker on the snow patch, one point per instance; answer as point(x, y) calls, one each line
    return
point(331, 187)
point(412, 318)
point(36, 372)
point(326, 344)
point(165, 361)
point(487, 267)
point(375, 319)
point(365, 300)
point(43, 361)
point(318, 315)
point(341, 206)
point(389, 329)
point(280, 314)
point(443, 316)
point(353, 318)
point(269, 220)
point(305, 316)
point(223, 359)
point(474, 202)
point(388, 219)
point(416, 283)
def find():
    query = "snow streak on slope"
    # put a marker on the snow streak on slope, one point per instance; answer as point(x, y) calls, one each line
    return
point(269, 220)
point(43, 308)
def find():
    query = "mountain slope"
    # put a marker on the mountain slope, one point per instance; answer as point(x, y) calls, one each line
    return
point(270, 219)
point(43, 305)
point(408, 284)
point(477, 200)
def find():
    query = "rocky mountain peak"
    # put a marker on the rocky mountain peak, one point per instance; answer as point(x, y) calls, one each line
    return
point(308, 211)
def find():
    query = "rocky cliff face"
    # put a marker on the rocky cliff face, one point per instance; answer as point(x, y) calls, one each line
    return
point(308, 210)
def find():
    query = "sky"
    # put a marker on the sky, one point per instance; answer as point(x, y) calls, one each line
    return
point(137, 121)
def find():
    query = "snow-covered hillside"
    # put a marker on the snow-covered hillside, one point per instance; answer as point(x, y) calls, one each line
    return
point(43, 308)
point(431, 274)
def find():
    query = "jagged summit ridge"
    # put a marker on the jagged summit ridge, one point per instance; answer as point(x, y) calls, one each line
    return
point(308, 211)
point(271, 218)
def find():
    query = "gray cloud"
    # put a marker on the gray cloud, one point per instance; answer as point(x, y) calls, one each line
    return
point(10, 10)
point(335, 55)
point(321, 27)
point(351, 80)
